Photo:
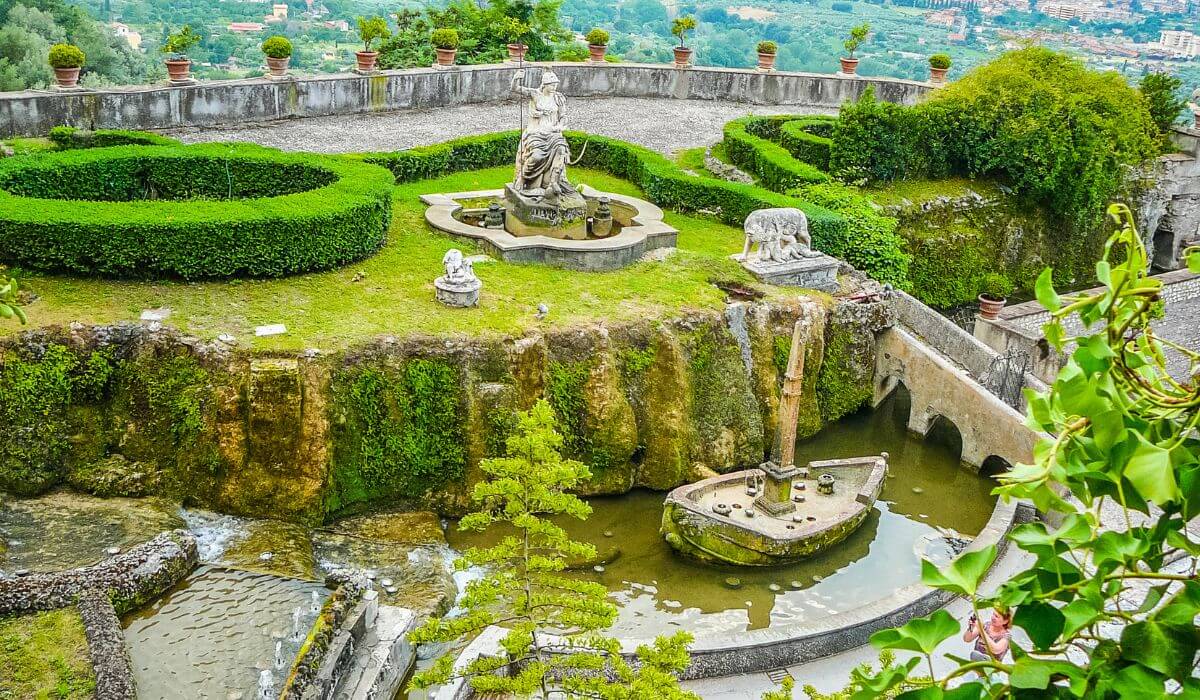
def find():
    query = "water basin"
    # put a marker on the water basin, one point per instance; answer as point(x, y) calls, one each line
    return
point(213, 635)
point(659, 591)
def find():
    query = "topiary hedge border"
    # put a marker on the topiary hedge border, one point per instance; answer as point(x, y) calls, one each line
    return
point(662, 181)
point(322, 228)
point(68, 137)
point(803, 138)
point(775, 168)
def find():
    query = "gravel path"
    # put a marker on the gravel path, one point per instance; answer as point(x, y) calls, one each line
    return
point(662, 124)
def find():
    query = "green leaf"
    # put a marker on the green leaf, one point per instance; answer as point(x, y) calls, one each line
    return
point(962, 575)
point(1029, 672)
point(1164, 647)
point(1043, 622)
point(1193, 262)
point(1044, 290)
point(922, 634)
point(1149, 470)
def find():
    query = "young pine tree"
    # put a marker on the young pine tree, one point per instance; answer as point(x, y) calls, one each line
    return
point(554, 646)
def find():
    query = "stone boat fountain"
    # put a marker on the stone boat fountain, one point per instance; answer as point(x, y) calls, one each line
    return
point(540, 216)
point(778, 513)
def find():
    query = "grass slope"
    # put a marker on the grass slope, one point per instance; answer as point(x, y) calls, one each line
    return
point(395, 296)
point(44, 655)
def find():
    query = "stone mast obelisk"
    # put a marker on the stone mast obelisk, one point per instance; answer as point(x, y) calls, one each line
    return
point(776, 496)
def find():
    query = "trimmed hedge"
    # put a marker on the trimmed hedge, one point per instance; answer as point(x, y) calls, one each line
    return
point(808, 140)
point(68, 137)
point(663, 182)
point(193, 212)
point(775, 168)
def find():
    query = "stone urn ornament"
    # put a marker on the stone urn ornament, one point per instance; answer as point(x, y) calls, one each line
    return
point(459, 287)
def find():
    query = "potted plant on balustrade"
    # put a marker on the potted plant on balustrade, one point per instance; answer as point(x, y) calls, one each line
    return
point(680, 28)
point(766, 55)
point(993, 295)
point(370, 30)
point(179, 66)
point(278, 50)
point(939, 63)
point(597, 40)
point(515, 32)
point(445, 43)
point(858, 35)
point(66, 60)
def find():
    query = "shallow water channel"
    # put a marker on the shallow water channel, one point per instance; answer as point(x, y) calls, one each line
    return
point(659, 591)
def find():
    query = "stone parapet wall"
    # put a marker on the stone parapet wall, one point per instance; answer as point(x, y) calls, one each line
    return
point(237, 101)
point(106, 647)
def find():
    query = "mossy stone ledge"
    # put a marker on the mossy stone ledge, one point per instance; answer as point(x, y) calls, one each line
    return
point(306, 437)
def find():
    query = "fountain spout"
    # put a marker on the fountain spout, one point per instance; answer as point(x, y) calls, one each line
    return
point(776, 495)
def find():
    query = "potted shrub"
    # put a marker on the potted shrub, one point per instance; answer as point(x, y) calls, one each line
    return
point(858, 35)
point(939, 63)
point(766, 55)
point(445, 44)
point(179, 66)
point(66, 60)
point(597, 40)
point(278, 51)
point(514, 32)
point(993, 295)
point(370, 30)
point(680, 28)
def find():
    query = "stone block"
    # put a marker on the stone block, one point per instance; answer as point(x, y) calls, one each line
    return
point(811, 273)
point(529, 216)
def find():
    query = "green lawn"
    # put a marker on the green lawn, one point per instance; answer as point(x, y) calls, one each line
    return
point(395, 293)
point(44, 655)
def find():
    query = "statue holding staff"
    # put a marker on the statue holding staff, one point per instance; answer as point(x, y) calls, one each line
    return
point(543, 154)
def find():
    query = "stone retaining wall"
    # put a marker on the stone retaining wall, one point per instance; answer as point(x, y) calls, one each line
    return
point(129, 579)
point(326, 651)
point(106, 647)
point(34, 113)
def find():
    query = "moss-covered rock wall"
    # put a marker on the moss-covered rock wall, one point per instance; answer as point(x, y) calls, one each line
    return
point(126, 410)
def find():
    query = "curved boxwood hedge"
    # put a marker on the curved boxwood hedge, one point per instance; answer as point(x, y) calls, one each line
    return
point(661, 180)
point(808, 140)
point(193, 212)
point(771, 163)
point(68, 137)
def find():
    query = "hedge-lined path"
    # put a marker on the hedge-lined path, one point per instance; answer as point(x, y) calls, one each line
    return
point(663, 125)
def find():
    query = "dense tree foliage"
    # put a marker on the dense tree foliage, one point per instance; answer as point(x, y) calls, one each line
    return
point(27, 30)
point(1059, 133)
point(484, 32)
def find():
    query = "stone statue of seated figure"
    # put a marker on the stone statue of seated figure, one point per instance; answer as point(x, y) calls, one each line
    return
point(781, 235)
point(459, 286)
point(459, 270)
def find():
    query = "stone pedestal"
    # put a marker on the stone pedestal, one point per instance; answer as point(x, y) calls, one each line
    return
point(776, 497)
point(818, 272)
point(182, 83)
point(460, 294)
point(558, 217)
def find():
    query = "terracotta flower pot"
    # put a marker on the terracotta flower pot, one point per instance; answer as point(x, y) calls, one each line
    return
point(366, 60)
point(516, 52)
point(683, 57)
point(67, 77)
point(179, 70)
point(989, 308)
point(766, 61)
point(849, 65)
point(597, 52)
point(937, 75)
point(445, 57)
point(278, 66)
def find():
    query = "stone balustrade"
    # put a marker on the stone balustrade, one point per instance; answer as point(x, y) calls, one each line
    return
point(34, 113)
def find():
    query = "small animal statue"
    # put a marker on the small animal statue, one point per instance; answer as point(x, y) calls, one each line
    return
point(458, 268)
point(781, 235)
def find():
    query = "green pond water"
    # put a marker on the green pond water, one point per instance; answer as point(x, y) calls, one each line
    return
point(659, 591)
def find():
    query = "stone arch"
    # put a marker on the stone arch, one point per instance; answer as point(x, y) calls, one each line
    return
point(994, 465)
point(943, 431)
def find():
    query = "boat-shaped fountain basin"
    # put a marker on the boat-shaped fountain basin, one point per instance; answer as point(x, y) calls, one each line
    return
point(717, 520)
